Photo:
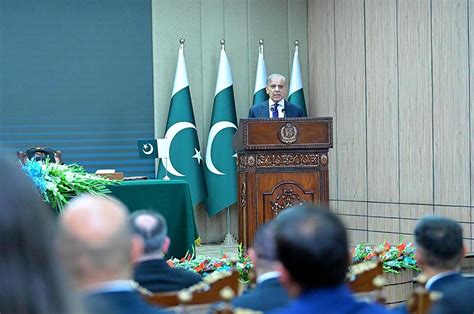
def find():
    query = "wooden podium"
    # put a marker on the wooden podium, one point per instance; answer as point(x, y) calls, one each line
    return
point(281, 162)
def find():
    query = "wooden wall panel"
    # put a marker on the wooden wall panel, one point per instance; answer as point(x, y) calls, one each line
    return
point(237, 44)
point(450, 103)
point(382, 101)
point(322, 91)
point(471, 95)
point(350, 112)
point(407, 146)
point(415, 101)
point(298, 30)
point(268, 19)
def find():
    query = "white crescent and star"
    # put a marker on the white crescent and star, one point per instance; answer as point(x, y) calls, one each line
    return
point(148, 149)
point(215, 129)
point(170, 134)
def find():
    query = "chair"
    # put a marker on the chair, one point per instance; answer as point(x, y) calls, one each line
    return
point(421, 300)
point(366, 281)
point(204, 292)
point(40, 154)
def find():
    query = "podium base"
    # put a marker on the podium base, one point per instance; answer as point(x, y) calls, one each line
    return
point(229, 239)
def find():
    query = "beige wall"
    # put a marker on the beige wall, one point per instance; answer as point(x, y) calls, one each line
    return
point(203, 23)
point(396, 77)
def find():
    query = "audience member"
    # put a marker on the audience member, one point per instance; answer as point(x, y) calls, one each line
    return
point(151, 269)
point(268, 294)
point(439, 251)
point(98, 247)
point(276, 106)
point(313, 251)
point(31, 279)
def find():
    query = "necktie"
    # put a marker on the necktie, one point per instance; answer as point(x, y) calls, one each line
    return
point(275, 111)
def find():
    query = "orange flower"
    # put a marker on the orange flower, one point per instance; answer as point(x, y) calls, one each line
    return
point(224, 256)
point(170, 263)
point(400, 248)
point(369, 256)
point(200, 267)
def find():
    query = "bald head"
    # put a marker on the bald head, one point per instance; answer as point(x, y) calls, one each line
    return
point(96, 241)
point(151, 227)
point(94, 219)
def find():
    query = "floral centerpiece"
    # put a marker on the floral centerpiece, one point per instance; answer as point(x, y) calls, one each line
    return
point(394, 257)
point(58, 183)
point(204, 265)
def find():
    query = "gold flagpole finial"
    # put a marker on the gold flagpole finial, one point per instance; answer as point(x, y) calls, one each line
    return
point(222, 43)
point(260, 46)
point(297, 43)
point(181, 43)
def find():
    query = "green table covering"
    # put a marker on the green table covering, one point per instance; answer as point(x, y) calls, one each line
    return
point(171, 199)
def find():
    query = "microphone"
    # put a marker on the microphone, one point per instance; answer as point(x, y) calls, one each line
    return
point(284, 112)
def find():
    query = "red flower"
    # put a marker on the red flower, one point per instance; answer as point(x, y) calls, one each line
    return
point(369, 256)
point(170, 263)
point(200, 267)
point(400, 248)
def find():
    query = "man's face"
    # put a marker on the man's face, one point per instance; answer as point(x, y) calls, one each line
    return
point(276, 89)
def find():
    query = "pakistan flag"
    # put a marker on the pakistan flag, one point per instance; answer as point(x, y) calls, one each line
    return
point(185, 159)
point(221, 176)
point(260, 94)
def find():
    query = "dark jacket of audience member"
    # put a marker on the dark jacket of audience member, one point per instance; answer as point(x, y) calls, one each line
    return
point(31, 277)
point(313, 250)
point(268, 294)
point(439, 253)
point(98, 245)
point(151, 269)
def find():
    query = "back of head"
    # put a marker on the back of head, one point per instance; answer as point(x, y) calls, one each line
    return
point(95, 240)
point(264, 246)
point(31, 280)
point(439, 240)
point(312, 246)
point(151, 227)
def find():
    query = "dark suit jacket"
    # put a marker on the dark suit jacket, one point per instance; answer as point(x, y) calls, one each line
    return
point(266, 296)
point(118, 302)
point(458, 295)
point(156, 276)
point(260, 110)
point(337, 300)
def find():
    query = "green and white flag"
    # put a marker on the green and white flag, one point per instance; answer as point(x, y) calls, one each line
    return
point(221, 173)
point(296, 84)
point(260, 94)
point(185, 159)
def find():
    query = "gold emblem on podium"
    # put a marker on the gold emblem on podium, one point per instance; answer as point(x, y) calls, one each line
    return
point(288, 133)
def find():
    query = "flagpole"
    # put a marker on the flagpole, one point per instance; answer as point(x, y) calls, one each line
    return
point(229, 237)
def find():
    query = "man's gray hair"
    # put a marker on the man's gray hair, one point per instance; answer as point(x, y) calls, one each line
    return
point(275, 75)
point(153, 231)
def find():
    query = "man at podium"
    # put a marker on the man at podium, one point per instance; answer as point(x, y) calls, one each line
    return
point(276, 106)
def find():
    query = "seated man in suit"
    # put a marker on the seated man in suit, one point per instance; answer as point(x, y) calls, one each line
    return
point(98, 248)
point(276, 106)
point(439, 251)
point(268, 293)
point(313, 252)
point(151, 270)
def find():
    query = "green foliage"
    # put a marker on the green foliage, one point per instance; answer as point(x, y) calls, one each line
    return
point(394, 257)
point(204, 265)
point(58, 183)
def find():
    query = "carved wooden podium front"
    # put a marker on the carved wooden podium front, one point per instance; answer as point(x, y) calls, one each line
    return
point(281, 162)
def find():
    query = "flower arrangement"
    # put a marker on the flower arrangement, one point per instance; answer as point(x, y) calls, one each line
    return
point(394, 257)
point(58, 183)
point(204, 265)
